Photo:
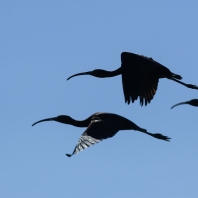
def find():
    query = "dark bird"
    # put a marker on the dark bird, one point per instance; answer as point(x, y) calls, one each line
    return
point(100, 126)
point(140, 76)
point(193, 102)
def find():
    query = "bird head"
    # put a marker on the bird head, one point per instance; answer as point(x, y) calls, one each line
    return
point(193, 102)
point(62, 119)
point(96, 73)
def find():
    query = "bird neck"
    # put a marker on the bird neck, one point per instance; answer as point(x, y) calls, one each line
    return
point(113, 73)
point(116, 72)
point(80, 123)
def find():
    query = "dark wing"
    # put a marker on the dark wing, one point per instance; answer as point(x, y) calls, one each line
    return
point(96, 132)
point(148, 89)
point(138, 78)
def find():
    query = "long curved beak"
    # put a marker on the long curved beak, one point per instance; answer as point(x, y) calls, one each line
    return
point(79, 74)
point(48, 119)
point(179, 104)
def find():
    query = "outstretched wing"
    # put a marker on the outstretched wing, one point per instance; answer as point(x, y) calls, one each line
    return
point(148, 90)
point(138, 78)
point(96, 132)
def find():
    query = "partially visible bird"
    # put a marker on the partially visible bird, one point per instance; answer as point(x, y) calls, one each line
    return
point(100, 126)
point(193, 102)
point(140, 76)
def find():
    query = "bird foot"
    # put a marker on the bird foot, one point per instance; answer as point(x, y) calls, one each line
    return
point(161, 137)
point(192, 86)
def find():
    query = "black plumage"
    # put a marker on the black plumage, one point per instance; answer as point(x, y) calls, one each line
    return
point(140, 77)
point(100, 126)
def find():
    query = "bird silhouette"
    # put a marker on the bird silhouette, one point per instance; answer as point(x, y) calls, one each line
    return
point(100, 126)
point(193, 102)
point(140, 76)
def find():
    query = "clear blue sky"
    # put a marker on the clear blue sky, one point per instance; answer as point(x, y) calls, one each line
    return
point(42, 43)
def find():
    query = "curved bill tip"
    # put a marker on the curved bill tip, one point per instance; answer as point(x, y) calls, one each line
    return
point(178, 104)
point(70, 77)
point(35, 123)
point(79, 74)
point(173, 106)
point(48, 119)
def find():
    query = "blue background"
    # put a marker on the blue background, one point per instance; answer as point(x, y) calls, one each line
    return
point(42, 44)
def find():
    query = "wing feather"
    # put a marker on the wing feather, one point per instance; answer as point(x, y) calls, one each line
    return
point(137, 78)
point(96, 132)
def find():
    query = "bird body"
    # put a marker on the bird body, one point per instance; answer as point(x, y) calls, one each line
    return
point(193, 102)
point(100, 126)
point(140, 77)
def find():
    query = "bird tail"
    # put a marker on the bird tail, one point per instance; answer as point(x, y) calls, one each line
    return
point(176, 76)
